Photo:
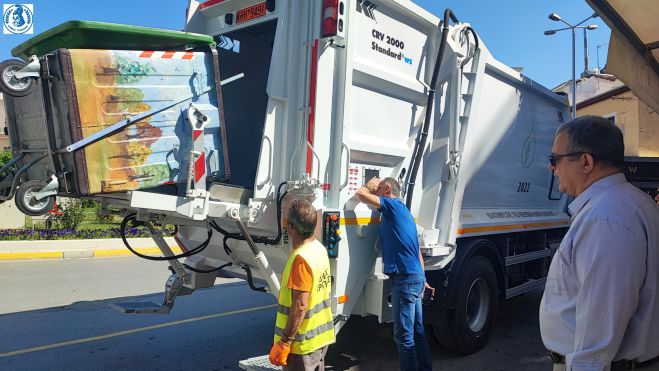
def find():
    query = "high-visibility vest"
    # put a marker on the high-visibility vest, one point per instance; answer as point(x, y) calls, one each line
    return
point(317, 329)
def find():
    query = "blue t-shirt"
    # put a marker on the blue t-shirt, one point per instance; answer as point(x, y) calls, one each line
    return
point(400, 245)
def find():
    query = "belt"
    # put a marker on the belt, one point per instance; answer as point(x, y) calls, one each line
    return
point(618, 365)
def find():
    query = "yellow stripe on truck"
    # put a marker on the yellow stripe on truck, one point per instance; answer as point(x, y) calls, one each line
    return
point(494, 228)
point(360, 221)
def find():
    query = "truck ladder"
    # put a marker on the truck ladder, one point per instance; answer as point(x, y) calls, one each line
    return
point(459, 123)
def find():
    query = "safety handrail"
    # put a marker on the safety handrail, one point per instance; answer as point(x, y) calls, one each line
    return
point(345, 146)
point(310, 146)
point(267, 139)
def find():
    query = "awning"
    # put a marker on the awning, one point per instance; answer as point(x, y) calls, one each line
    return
point(634, 46)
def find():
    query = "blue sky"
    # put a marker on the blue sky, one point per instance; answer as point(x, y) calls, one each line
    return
point(511, 29)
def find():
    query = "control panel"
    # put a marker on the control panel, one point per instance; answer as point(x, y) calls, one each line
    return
point(359, 175)
point(331, 231)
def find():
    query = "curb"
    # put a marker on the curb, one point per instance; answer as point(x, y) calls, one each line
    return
point(77, 249)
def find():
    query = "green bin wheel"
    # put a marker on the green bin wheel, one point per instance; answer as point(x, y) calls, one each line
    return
point(9, 84)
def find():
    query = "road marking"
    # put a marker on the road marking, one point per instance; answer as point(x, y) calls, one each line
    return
point(32, 255)
point(133, 331)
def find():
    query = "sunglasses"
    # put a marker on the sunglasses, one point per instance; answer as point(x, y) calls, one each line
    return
point(554, 158)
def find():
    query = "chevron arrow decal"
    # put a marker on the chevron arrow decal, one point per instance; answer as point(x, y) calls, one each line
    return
point(366, 7)
point(228, 44)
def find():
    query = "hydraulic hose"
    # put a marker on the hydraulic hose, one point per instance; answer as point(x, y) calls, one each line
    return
point(242, 236)
point(250, 280)
point(209, 270)
point(421, 143)
point(196, 250)
point(470, 30)
point(263, 240)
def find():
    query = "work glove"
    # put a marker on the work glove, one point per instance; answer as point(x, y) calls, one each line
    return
point(279, 353)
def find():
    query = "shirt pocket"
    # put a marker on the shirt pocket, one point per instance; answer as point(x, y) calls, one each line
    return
point(559, 271)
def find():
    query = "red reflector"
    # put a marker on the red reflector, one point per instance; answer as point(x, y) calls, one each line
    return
point(200, 167)
point(325, 186)
point(330, 18)
point(209, 3)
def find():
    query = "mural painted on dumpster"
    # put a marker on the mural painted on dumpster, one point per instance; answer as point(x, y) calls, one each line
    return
point(112, 85)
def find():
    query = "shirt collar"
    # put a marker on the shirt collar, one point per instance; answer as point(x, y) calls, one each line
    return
point(594, 189)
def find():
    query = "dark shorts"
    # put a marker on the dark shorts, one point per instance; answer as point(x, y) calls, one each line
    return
point(314, 361)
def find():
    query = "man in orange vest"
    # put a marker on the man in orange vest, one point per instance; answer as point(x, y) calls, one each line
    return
point(304, 326)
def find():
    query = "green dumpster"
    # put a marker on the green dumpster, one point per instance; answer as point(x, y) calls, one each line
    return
point(111, 36)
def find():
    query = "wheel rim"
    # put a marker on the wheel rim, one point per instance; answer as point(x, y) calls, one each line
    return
point(32, 203)
point(478, 304)
point(10, 80)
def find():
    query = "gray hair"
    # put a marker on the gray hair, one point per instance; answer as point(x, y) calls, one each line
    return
point(302, 216)
point(597, 136)
point(393, 183)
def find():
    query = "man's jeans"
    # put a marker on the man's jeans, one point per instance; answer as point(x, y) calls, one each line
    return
point(410, 337)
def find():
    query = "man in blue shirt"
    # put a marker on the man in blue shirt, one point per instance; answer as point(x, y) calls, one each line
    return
point(404, 266)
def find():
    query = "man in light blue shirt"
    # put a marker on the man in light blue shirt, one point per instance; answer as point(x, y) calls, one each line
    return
point(600, 309)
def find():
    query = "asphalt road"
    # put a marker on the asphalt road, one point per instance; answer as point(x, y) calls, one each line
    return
point(57, 315)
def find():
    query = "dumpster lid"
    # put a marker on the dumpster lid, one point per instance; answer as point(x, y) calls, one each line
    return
point(103, 35)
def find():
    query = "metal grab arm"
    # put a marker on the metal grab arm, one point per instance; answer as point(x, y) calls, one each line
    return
point(156, 235)
point(114, 128)
point(260, 259)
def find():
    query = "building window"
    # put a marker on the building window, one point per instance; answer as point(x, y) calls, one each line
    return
point(611, 117)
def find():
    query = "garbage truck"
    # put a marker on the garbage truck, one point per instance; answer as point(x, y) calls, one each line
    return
point(310, 99)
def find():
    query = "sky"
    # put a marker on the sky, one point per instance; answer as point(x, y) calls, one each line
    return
point(511, 29)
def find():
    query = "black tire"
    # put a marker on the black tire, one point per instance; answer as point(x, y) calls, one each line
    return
point(9, 84)
point(27, 204)
point(467, 327)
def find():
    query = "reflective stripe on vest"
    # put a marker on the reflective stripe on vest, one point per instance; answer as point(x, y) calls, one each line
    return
point(309, 334)
point(317, 328)
point(317, 308)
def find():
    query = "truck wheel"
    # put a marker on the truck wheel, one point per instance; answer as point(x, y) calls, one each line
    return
point(27, 204)
point(9, 84)
point(468, 326)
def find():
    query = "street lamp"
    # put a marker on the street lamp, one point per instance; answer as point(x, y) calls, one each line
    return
point(557, 18)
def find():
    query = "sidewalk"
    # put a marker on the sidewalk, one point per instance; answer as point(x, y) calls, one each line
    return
point(67, 249)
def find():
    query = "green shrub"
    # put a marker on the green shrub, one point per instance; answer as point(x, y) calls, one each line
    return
point(72, 214)
point(89, 204)
point(5, 157)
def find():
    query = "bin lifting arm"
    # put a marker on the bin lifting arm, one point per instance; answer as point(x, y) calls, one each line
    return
point(116, 127)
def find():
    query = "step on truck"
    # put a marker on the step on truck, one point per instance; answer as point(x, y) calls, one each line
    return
point(332, 93)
